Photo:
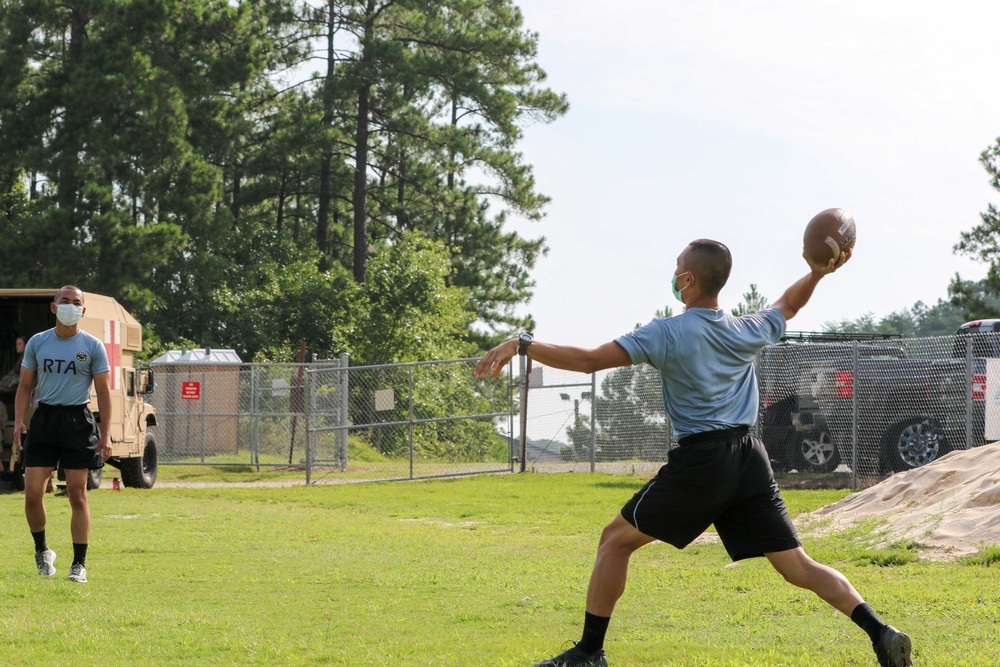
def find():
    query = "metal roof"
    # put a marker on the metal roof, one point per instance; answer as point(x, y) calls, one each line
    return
point(204, 356)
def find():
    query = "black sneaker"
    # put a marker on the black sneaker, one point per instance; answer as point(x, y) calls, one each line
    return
point(892, 648)
point(575, 657)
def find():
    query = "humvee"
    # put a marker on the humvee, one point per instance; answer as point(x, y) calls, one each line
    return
point(25, 312)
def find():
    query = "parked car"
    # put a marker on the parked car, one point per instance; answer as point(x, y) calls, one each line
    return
point(904, 412)
point(793, 427)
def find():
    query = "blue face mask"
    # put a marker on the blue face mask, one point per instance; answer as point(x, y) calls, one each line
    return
point(673, 287)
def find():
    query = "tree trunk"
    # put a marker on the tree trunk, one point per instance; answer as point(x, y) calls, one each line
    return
point(360, 198)
point(280, 217)
point(325, 167)
point(360, 201)
point(323, 214)
point(68, 168)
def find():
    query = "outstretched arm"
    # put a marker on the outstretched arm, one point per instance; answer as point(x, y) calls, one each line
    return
point(796, 296)
point(609, 355)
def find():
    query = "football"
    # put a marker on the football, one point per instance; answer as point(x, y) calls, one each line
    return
point(828, 234)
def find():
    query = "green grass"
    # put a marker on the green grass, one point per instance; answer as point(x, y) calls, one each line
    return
point(487, 570)
point(365, 464)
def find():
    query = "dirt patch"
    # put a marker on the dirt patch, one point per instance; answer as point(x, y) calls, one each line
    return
point(951, 506)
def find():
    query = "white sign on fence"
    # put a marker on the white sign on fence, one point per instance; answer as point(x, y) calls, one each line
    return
point(384, 400)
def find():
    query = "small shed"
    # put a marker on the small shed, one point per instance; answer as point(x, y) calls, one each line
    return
point(198, 402)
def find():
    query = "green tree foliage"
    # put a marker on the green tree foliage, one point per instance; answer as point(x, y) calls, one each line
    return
point(974, 300)
point(753, 302)
point(116, 114)
point(171, 154)
point(405, 311)
point(433, 93)
point(920, 320)
point(981, 299)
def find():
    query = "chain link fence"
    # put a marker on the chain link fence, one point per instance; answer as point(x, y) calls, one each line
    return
point(236, 414)
point(847, 411)
point(335, 422)
point(623, 429)
point(851, 411)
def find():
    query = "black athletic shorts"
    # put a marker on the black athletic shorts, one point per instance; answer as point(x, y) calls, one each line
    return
point(64, 434)
point(722, 478)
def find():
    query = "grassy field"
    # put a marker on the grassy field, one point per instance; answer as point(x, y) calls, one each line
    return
point(475, 571)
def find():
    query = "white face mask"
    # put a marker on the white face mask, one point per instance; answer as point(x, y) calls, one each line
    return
point(68, 314)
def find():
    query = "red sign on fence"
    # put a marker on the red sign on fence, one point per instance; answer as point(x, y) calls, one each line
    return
point(191, 391)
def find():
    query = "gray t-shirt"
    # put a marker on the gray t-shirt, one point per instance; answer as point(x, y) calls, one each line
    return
point(64, 367)
point(705, 357)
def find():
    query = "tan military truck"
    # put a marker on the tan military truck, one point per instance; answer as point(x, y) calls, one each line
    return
point(25, 312)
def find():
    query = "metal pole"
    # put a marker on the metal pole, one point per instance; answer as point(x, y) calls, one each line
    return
point(968, 392)
point(524, 364)
point(309, 432)
point(854, 415)
point(410, 425)
point(593, 430)
point(510, 414)
point(254, 418)
point(344, 387)
point(204, 397)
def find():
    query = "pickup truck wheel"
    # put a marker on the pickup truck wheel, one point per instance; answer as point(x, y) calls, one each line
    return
point(912, 444)
point(140, 472)
point(818, 452)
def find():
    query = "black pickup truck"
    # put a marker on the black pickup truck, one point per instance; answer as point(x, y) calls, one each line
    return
point(793, 428)
point(905, 410)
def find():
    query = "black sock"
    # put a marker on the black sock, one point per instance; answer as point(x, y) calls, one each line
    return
point(79, 554)
point(868, 621)
point(594, 629)
point(40, 544)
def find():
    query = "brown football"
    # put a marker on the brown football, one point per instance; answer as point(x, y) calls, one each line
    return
point(828, 234)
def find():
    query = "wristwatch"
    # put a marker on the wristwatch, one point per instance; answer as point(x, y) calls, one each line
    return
point(524, 341)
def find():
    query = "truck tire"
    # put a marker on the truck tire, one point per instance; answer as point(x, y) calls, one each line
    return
point(817, 452)
point(140, 472)
point(94, 476)
point(911, 444)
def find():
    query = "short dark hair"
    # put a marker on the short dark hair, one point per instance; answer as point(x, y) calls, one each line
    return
point(711, 262)
point(68, 287)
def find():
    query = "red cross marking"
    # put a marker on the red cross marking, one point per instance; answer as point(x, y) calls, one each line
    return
point(113, 346)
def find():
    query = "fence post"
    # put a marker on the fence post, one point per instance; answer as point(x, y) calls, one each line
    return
point(307, 418)
point(344, 386)
point(254, 418)
point(968, 392)
point(523, 394)
point(510, 414)
point(854, 415)
point(593, 430)
point(410, 418)
point(204, 427)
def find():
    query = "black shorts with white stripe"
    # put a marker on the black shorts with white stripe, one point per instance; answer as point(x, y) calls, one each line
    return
point(722, 478)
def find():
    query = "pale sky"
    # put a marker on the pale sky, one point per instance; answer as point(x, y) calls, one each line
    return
point(739, 121)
